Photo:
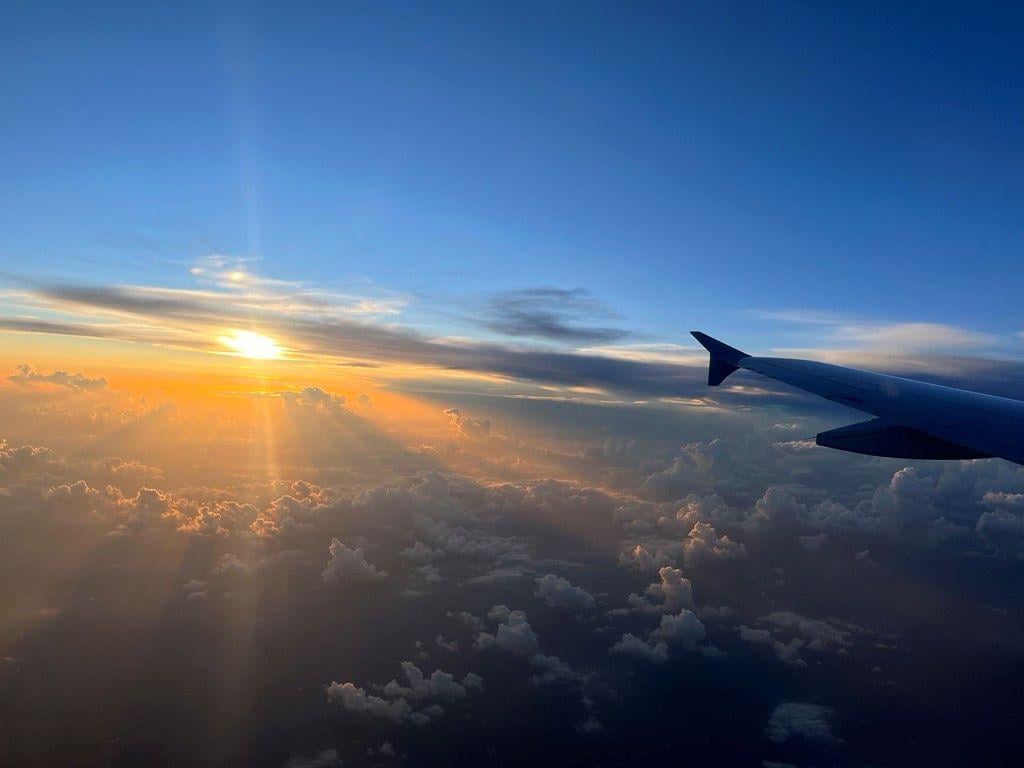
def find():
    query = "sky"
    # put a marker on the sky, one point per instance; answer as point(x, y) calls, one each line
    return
point(349, 413)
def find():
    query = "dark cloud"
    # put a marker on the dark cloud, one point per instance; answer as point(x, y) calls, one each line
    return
point(799, 720)
point(552, 314)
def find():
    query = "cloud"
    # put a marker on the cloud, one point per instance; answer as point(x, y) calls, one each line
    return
point(440, 684)
point(789, 634)
point(446, 645)
point(28, 375)
point(461, 541)
point(802, 721)
point(190, 319)
point(467, 426)
point(631, 645)
point(25, 459)
point(421, 553)
point(813, 543)
point(349, 564)
point(195, 590)
point(671, 593)
point(315, 399)
point(559, 593)
point(355, 699)
point(395, 701)
point(883, 336)
point(704, 544)
point(683, 629)
point(323, 759)
point(552, 314)
point(231, 564)
point(513, 634)
point(554, 670)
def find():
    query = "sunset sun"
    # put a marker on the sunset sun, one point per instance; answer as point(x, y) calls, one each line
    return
point(252, 345)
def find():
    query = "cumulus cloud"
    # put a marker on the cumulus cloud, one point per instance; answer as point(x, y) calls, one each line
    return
point(467, 426)
point(421, 553)
point(683, 629)
point(513, 633)
point(789, 634)
point(703, 543)
point(25, 459)
point(440, 684)
point(802, 721)
point(231, 564)
point(355, 699)
point(393, 703)
point(631, 645)
point(671, 593)
point(639, 557)
point(315, 399)
point(26, 374)
point(559, 593)
point(349, 564)
point(462, 541)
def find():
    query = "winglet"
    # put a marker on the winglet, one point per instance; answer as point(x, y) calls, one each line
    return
point(724, 359)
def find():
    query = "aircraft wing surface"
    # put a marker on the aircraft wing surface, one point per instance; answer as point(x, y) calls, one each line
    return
point(914, 419)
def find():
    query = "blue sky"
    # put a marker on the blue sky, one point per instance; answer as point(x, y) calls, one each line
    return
point(684, 163)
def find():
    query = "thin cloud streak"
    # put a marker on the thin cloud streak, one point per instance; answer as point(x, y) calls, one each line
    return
point(192, 319)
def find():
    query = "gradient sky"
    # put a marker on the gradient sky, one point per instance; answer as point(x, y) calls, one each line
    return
point(686, 164)
point(348, 412)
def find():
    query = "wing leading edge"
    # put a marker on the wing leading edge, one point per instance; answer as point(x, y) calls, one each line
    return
point(914, 419)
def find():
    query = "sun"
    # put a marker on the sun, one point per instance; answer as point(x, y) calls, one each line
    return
point(252, 345)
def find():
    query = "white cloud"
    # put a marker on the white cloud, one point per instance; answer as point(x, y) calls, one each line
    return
point(789, 634)
point(683, 629)
point(355, 699)
point(350, 564)
point(631, 645)
point(316, 400)
point(559, 593)
point(704, 544)
point(513, 634)
point(440, 684)
point(672, 593)
point(394, 702)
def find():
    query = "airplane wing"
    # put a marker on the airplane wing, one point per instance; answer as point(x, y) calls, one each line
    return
point(913, 419)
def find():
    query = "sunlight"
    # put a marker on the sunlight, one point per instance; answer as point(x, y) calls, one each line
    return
point(252, 345)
